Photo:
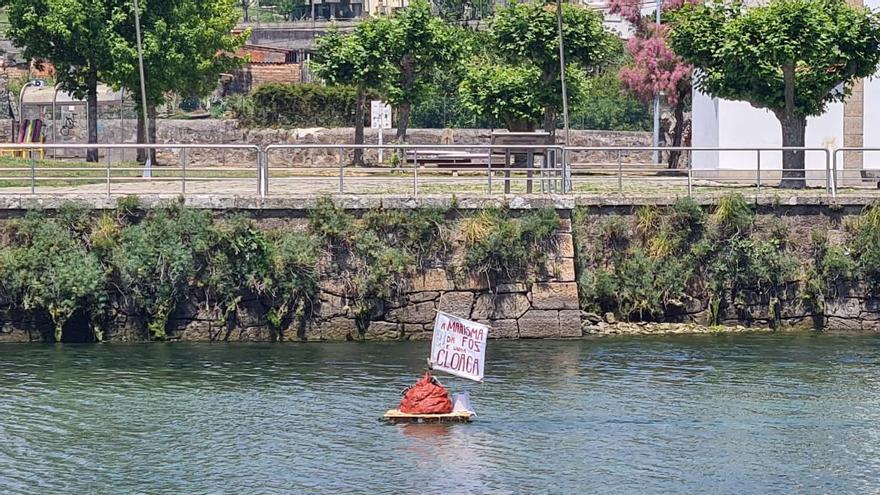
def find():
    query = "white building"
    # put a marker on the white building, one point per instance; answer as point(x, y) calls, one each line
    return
point(734, 124)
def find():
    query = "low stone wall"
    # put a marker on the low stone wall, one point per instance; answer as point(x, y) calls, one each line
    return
point(226, 131)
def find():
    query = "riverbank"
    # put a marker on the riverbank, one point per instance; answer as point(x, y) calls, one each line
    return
point(362, 268)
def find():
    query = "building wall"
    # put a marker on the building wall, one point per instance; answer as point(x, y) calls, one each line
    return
point(724, 123)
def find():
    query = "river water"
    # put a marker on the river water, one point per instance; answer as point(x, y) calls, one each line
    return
point(702, 414)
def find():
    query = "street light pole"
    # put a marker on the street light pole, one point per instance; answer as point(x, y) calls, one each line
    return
point(140, 52)
point(565, 182)
point(657, 100)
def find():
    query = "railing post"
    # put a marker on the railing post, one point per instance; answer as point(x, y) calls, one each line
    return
point(183, 171)
point(834, 172)
point(33, 171)
point(263, 165)
point(415, 174)
point(828, 180)
point(567, 186)
point(341, 171)
point(690, 179)
point(489, 164)
point(759, 171)
point(619, 173)
point(109, 157)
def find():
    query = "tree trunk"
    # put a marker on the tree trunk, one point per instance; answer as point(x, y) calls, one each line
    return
point(151, 123)
point(794, 130)
point(677, 133)
point(550, 122)
point(402, 120)
point(359, 126)
point(244, 7)
point(143, 138)
point(92, 110)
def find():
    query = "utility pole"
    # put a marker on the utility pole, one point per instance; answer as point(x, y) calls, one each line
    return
point(565, 181)
point(657, 102)
point(140, 50)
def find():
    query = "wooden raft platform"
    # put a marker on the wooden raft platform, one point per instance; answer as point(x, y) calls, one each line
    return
point(395, 416)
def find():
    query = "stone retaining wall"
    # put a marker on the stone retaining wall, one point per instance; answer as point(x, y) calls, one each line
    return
point(227, 131)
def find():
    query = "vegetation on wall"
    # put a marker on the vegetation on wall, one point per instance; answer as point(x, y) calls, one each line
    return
point(663, 264)
point(147, 264)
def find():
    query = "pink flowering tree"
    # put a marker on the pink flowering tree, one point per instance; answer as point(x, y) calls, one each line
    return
point(655, 68)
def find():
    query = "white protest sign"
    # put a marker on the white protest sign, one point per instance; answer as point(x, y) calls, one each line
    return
point(459, 346)
point(380, 115)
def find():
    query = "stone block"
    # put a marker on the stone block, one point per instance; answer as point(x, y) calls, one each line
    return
point(570, 323)
point(336, 329)
point(538, 323)
point(564, 245)
point(417, 297)
point(500, 306)
point(332, 286)
point(502, 329)
point(457, 303)
point(560, 270)
point(384, 330)
point(511, 288)
point(472, 281)
point(843, 308)
point(434, 279)
point(420, 313)
point(555, 295)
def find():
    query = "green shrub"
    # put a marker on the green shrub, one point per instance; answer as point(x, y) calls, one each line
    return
point(47, 268)
point(500, 247)
point(297, 105)
point(157, 260)
point(733, 215)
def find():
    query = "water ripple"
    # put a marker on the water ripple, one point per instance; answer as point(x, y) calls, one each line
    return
point(708, 414)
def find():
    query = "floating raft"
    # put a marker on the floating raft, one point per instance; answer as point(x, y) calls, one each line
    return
point(395, 416)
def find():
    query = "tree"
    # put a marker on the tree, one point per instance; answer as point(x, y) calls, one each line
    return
point(511, 94)
point(187, 44)
point(414, 43)
point(655, 68)
point(354, 60)
point(787, 56)
point(245, 8)
point(527, 33)
point(73, 35)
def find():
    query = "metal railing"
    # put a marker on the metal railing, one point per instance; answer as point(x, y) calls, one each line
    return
point(455, 165)
point(293, 169)
point(619, 170)
point(116, 173)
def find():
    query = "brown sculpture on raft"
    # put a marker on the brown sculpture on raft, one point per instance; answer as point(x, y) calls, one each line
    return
point(427, 396)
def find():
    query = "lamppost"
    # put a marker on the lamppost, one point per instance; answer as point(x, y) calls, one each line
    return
point(657, 103)
point(565, 181)
point(140, 52)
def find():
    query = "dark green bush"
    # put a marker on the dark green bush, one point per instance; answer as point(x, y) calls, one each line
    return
point(297, 105)
point(501, 247)
point(46, 267)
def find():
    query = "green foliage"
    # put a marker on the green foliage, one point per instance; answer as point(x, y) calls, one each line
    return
point(374, 256)
point(500, 247)
point(865, 246)
point(604, 105)
point(45, 267)
point(158, 258)
point(526, 35)
point(511, 94)
point(647, 268)
point(747, 53)
point(297, 105)
point(187, 44)
point(733, 215)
